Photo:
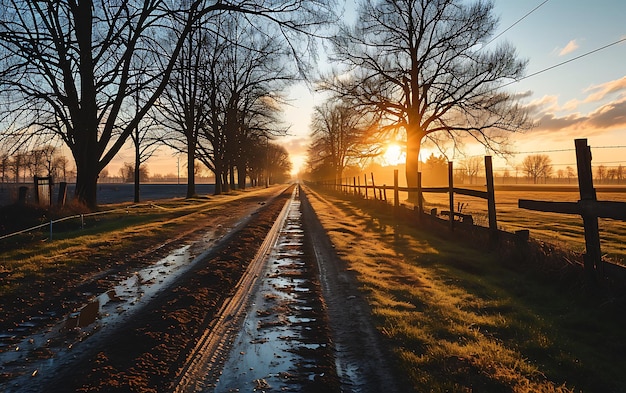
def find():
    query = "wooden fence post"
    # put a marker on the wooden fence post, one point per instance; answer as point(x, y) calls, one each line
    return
point(354, 184)
point(588, 207)
point(396, 193)
point(451, 192)
point(373, 185)
point(365, 179)
point(593, 254)
point(491, 196)
point(420, 201)
point(358, 179)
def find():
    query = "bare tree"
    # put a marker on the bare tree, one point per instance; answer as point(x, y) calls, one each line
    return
point(570, 173)
point(246, 74)
point(423, 67)
point(506, 176)
point(5, 167)
point(601, 171)
point(611, 174)
point(61, 169)
point(18, 163)
point(278, 164)
point(339, 134)
point(472, 166)
point(537, 166)
point(69, 69)
point(181, 108)
point(128, 173)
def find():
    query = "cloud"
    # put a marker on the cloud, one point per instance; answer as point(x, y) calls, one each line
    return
point(544, 104)
point(522, 94)
point(571, 105)
point(604, 89)
point(550, 122)
point(569, 48)
point(606, 117)
point(296, 144)
point(611, 115)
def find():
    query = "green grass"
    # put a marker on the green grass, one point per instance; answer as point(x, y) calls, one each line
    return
point(460, 319)
point(561, 229)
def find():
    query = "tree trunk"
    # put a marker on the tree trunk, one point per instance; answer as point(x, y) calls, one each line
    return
point(337, 175)
point(137, 171)
point(231, 171)
point(87, 181)
point(224, 179)
point(191, 175)
point(413, 145)
point(87, 149)
point(241, 175)
point(218, 183)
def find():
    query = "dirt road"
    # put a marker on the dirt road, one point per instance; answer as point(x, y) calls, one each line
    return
point(268, 306)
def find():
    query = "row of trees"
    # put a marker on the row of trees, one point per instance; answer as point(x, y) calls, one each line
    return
point(534, 168)
point(45, 161)
point(92, 73)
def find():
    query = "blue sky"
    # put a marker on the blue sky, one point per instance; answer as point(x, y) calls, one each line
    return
point(584, 98)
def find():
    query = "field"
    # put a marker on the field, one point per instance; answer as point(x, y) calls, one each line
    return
point(110, 192)
point(559, 229)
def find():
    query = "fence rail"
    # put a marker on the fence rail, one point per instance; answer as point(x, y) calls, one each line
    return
point(353, 186)
point(50, 224)
point(588, 207)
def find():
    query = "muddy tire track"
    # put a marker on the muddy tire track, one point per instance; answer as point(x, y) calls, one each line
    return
point(364, 362)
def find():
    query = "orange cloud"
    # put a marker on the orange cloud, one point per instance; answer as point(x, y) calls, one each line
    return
point(569, 48)
point(604, 89)
point(612, 115)
point(543, 105)
point(606, 117)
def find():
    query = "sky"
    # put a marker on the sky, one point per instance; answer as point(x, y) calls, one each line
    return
point(585, 98)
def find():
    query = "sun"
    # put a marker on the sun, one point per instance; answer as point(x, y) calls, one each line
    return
point(394, 155)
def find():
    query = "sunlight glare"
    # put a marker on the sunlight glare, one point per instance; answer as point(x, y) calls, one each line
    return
point(394, 155)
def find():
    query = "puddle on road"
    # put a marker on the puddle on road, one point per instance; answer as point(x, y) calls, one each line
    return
point(39, 345)
point(272, 352)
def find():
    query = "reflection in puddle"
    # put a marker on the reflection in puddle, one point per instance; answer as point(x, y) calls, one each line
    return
point(37, 346)
point(270, 352)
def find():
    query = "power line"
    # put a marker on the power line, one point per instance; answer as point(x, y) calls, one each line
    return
point(542, 151)
point(608, 147)
point(513, 25)
point(567, 61)
point(564, 150)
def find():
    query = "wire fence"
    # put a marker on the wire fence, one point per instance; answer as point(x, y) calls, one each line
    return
point(50, 224)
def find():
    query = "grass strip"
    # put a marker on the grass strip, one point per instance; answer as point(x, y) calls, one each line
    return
point(461, 319)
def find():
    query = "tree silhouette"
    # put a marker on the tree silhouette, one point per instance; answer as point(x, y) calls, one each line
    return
point(537, 166)
point(339, 134)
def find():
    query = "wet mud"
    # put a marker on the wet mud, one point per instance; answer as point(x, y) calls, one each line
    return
point(284, 342)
